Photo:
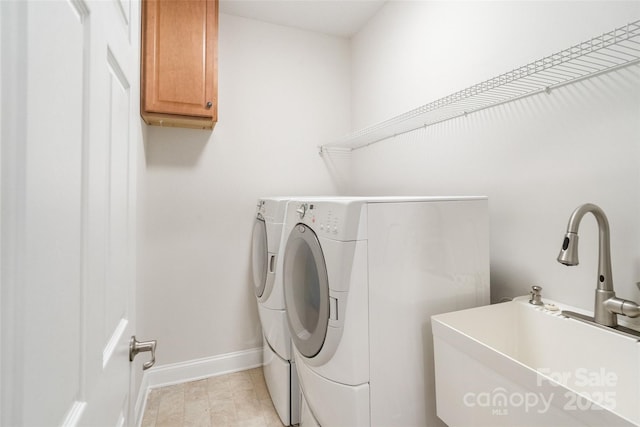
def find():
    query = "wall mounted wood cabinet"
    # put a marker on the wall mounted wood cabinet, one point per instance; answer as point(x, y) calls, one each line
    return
point(179, 67)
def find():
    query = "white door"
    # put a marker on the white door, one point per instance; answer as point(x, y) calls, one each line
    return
point(70, 133)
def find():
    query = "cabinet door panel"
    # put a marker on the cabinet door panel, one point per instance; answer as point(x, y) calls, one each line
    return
point(179, 61)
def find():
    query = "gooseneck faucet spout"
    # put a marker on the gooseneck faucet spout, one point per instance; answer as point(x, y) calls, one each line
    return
point(569, 252)
point(607, 305)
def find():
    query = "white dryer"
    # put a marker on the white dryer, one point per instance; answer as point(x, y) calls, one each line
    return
point(362, 277)
point(279, 373)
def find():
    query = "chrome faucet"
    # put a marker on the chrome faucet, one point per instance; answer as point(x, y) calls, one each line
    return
point(607, 305)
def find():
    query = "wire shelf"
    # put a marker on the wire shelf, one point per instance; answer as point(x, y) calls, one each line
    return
point(601, 54)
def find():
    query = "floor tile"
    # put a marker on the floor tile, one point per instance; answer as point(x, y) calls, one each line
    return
point(238, 399)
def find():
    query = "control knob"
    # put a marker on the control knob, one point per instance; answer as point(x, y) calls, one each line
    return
point(302, 210)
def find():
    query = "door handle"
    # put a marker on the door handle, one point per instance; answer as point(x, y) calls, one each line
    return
point(136, 347)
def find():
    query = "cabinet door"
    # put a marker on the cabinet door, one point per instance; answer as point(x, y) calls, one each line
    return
point(180, 57)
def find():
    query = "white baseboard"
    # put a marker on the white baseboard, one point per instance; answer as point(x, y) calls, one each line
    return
point(192, 370)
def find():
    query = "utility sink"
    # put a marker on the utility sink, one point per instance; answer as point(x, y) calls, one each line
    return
point(516, 364)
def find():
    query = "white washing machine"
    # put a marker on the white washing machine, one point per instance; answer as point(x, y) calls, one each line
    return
point(362, 277)
point(279, 373)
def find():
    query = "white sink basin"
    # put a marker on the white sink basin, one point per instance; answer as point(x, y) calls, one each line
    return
point(515, 364)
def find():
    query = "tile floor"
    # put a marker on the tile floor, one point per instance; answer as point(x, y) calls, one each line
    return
point(238, 399)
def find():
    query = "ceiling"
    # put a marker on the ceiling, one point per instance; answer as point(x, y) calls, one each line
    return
point(335, 17)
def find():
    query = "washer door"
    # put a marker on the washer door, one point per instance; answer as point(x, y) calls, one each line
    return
point(259, 256)
point(306, 290)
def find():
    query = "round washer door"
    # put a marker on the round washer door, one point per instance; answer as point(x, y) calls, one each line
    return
point(306, 290)
point(259, 256)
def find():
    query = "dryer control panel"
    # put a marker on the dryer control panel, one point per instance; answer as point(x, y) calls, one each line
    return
point(337, 220)
point(272, 209)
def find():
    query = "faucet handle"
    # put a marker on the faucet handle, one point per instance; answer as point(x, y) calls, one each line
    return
point(536, 295)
